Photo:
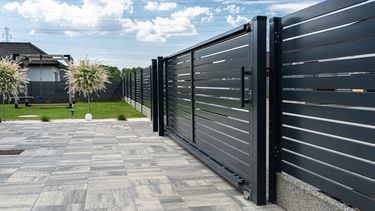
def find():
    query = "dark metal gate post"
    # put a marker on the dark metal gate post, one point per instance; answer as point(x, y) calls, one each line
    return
point(160, 95)
point(135, 89)
point(258, 109)
point(154, 93)
point(274, 103)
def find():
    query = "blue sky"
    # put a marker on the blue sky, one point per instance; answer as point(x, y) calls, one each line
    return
point(130, 33)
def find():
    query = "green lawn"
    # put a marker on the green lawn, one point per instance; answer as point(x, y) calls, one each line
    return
point(59, 111)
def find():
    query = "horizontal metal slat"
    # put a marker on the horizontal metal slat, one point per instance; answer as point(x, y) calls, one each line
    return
point(179, 71)
point(178, 59)
point(225, 159)
point(352, 48)
point(244, 115)
point(365, 81)
point(219, 74)
point(179, 77)
point(233, 54)
point(244, 148)
point(222, 102)
point(333, 20)
point(180, 131)
point(347, 33)
point(348, 163)
point(223, 120)
point(235, 63)
point(322, 8)
point(338, 98)
point(233, 132)
point(219, 144)
point(338, 113)
point(348, 131)
point(219, 92)
point(222, 83)
point(347, 147)
point(360, 184)
point(229, 44)
point(345, 193)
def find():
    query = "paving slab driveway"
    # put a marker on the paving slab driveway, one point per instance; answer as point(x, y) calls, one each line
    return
point(106, 165)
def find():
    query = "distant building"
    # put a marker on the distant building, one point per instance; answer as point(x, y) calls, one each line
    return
point(37, 70)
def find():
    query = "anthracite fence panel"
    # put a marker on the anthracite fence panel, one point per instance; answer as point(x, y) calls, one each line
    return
point(215, 104)
point(138, 86)
point(323, 99)
point(147, 87)
point(56, 92)
point(138, 76)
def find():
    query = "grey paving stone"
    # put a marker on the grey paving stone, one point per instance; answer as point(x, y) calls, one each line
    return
point(106, 166)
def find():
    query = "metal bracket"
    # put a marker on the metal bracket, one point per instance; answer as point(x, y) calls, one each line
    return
point(246, 195)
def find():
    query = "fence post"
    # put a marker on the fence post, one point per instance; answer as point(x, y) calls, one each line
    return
point(160, 95)
point(192, 92)
point(258, 109)
point(154, 93)
point(274, 105)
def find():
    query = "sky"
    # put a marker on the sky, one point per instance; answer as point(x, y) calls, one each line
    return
point(129, 33)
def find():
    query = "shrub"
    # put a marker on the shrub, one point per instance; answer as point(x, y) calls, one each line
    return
point(121, 117)
point(45, 119)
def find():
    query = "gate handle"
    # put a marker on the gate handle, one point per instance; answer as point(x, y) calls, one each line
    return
point(243, 74)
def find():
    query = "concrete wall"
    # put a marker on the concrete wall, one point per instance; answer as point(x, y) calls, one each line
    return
point(47, 73)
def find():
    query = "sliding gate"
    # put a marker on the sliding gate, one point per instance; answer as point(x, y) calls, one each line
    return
point(215, 104)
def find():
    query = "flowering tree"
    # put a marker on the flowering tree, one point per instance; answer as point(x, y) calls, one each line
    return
point(12, 80)
point(86, 77)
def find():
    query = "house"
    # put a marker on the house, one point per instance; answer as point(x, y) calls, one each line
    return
point(43, 70)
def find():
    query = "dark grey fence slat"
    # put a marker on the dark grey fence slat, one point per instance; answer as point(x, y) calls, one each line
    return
point(347, 131)
point(346, 114)
point(365, 186)
point(344, 146)
point(336, 66)
point(336, 19)
point(317, 10)
point(353, 48)
point(344, 34)
point(337, 98)
point(337, 82)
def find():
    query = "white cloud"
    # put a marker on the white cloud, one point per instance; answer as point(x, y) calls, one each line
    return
point(236, 21)
point(12, 6)
point(163, 6)
point(232, 9)
point(90, 14)
point(192, 12)
point(289, 7)
point(32, 32)
point(159, 29)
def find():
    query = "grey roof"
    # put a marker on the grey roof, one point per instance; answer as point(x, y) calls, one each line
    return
point(8, 49)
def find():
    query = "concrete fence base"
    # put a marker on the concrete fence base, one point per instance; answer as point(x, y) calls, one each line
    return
point(295, 195)
point(139, 107)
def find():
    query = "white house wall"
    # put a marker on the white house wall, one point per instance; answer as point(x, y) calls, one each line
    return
point(47, 73)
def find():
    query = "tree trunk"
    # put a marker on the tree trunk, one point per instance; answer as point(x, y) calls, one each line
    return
point(2, 109)
point(88, 100)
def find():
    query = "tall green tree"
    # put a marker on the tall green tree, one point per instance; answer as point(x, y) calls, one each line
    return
point(86, 77)
point(13, 80)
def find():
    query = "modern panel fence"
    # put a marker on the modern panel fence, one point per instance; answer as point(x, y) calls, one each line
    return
point(56, 92)
point(138, 90)
point(323, 98)
point(211, 98)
